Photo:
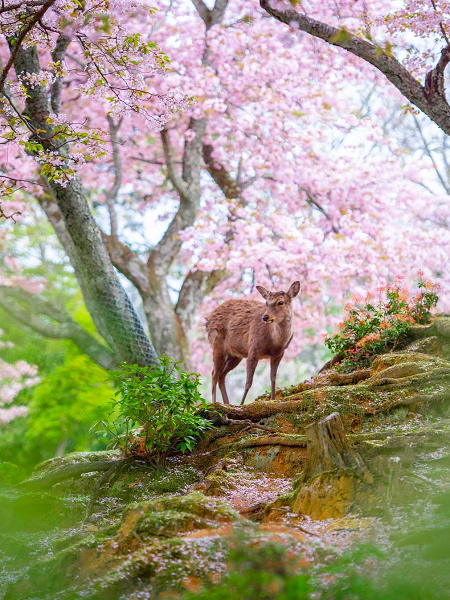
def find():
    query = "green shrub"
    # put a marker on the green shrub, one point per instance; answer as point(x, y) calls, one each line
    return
point(378, 325)
point(155, 410)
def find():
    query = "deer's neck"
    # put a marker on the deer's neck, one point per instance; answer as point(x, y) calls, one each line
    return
point(282, 332)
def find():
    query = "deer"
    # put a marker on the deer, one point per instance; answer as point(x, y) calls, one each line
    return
point(253, 330)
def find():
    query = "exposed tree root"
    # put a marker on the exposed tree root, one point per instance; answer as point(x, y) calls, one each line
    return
point(274, 440)
point(330, 363)
point(71, 471)
point(227, 426)
point(106, 478)
point(257, 410)
point(349, 378)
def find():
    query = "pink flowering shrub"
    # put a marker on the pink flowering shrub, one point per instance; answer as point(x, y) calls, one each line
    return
point(378, 325)
point(13, 378)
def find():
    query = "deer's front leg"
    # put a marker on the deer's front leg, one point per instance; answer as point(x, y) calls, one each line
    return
point(274, 362)
point(252, 361)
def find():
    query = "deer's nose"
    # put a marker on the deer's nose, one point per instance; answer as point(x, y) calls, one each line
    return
point(265, 318)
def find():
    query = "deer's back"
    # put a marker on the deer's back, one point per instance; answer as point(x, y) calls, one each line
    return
point(231, 321)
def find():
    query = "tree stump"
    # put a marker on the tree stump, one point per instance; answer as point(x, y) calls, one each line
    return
point(334, 473)
point(328, 448)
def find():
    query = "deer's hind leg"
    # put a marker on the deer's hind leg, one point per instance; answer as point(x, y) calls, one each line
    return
point(231, 363)
point(218, 362)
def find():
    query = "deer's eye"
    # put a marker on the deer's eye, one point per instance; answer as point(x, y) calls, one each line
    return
point(280, 303)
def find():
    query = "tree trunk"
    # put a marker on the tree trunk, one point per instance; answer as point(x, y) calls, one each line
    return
point(106, 300)
point(165, 327)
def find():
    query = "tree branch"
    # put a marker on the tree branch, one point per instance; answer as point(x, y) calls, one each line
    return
point(128, 263)
point(37, 16)
point(58, 54)
point(229, 186)
point(34, 314)
point(434, 81)
point(22, 4)
point(111, 194)
point(208, 16)
point(434, 105)
point(188, 187)
point(429, 153)
point(176, 179)
point(192, 156)
point(315, 204)
point(55, 217)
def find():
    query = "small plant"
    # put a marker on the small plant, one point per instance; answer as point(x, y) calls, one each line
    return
point(378, 325)
point(155, 410)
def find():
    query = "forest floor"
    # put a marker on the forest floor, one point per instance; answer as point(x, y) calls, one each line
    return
point(375, 524)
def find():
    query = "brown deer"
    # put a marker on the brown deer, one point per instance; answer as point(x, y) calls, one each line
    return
point(248, 329)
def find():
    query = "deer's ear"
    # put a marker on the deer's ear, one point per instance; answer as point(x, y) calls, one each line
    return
point(294, 289)
point(264, 293)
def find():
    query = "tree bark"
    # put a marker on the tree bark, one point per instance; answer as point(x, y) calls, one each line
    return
point(165, 327)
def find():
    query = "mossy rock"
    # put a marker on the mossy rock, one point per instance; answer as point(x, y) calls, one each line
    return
point(169, 523)
point(140, 482)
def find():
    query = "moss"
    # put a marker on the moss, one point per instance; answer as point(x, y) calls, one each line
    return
point(36, 511)
point(147, 544)
point(196, 504)
point(72, 459)
point(49, 574)
point(169, 523)
point(424, 362)
point(138, 481)
point(10, 474)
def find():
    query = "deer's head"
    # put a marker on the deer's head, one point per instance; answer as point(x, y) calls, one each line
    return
point(278, 304)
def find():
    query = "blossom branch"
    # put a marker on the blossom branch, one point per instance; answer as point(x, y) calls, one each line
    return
point(37, 16)
point(434, 105)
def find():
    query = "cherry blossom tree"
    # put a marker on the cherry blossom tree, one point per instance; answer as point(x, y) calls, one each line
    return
point(276, 171)
point(37, 37)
